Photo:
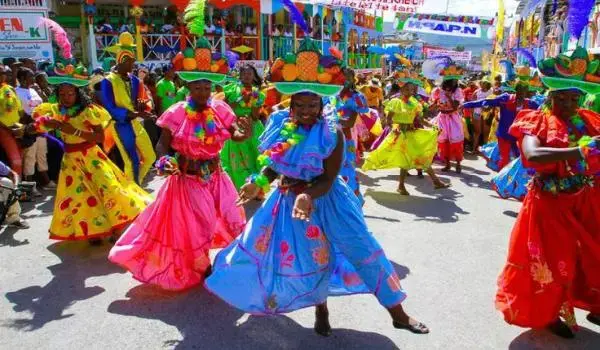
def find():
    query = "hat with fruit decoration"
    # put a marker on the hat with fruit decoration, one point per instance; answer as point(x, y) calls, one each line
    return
point(452, 71)
point(308, 71)
point(575, 71)
point(407, 76)
point(124, 48)
point(64, 71)
point(202, 63)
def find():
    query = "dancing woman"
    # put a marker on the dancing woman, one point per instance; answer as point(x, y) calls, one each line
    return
point(309, 239)
point(447, 99)
point(246, 99)
point(406, 147)
point(554, 252)
point(195, 209)
point(94, 199)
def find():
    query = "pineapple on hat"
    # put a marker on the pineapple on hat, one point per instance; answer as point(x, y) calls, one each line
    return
point(307, 60)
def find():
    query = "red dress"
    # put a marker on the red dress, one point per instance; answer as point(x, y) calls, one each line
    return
point(553, 260)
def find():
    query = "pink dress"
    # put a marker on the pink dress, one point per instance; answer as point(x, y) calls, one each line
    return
point(168, 244)
point(451, 136)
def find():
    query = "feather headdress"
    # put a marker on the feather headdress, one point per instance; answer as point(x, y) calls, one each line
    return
point(578, 16)
point(194, 17)
point(60, 36)
point(295, 15)
point(528, 56)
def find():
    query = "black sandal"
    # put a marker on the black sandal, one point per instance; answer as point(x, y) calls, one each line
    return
point(595, 319)
point(419, 328)
point(560, 329)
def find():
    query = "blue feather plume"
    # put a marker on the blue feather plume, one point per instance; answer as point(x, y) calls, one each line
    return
point(578, 16)
point(232, 58)
point(528, 56)
point(295, 15)
point(509, 69)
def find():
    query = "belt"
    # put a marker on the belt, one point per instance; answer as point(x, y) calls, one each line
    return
point(197, 167)
point(288, 184)
point(78, 147)
point(570, 184)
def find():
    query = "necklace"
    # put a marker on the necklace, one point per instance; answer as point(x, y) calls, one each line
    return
point(67, 113)
point(205, 127)
point(288, 138)
point(245, 93)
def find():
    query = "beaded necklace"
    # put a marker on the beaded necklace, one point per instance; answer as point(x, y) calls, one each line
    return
point(205, 127)
point(245, 92)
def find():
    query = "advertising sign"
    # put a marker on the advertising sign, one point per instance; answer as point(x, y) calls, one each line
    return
point(455, 55)
point(406, 6)
point(429, 26)
point(259, 65)
point(21, 37)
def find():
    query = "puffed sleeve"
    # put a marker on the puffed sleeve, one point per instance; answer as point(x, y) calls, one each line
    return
point(172, 118)
point(224, 112)
point(98, 116)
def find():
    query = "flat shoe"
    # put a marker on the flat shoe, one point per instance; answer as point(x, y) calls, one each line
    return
point(418, 328)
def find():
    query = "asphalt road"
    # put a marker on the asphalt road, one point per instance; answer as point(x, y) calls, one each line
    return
point(448, 247)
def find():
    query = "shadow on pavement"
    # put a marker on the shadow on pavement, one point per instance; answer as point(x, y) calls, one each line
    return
point(542, 339)
point(47, 303)
point(511, 213)
point(7, 237)
point(430, 209)
point(206, 322)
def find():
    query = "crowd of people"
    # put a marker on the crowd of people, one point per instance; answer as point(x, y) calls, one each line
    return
point(295, 139)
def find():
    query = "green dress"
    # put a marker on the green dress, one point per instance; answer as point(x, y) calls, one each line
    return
point(238, 159)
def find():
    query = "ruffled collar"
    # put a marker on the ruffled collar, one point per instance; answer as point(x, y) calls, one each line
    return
point(304, 160)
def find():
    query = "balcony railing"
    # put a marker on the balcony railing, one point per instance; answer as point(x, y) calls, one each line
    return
point(160, 48)
point(24, 3)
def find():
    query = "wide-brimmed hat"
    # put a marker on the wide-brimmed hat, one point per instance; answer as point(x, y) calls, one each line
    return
point(574, 71)
point(308, 70)
point(201, 63)
point(452, 71)
point(407, 76)
point(125, 47)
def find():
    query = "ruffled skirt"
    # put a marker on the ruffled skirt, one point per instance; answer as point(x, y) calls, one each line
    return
point(492, 153)
point(239, 158)
point(512, 181)
point(280, 264)
point(169, 242)
point(413, 149)
point(553, 259)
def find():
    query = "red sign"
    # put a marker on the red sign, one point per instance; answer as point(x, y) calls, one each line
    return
point(406, 6)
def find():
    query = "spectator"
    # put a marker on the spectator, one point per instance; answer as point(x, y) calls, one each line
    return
point(35, 147)
point(42, 87)
point(104, 26)
point(10, 129)
point(209, 28)
point(150, 123)
point(278, 31)
point(288, 33)
point(8, 180)
point(166, 90)
point(229, 30)
point(123, 27)
point(167, 28)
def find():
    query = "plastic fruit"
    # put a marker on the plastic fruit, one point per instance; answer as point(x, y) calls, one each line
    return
point(69, 69)
point(189, 63)
point(214, 68)
point(307, 60)
point(277, 65)
point(324, 78)
point(178, 61)
point(290, 72)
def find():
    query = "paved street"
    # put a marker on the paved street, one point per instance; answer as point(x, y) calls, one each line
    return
point(448, 247)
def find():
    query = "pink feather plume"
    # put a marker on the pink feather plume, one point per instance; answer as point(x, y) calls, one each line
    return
point(60, 36)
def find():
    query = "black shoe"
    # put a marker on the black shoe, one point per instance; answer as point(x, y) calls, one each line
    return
point(561, 329)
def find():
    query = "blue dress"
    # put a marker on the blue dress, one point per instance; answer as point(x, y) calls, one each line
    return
point(344, 105)
point(513, 180)
point(280, 264)
point(491, 152)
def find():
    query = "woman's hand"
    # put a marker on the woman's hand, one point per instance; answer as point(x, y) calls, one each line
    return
point(303, 207)
point(248, 192)
point(53, 124)
point(243, 129)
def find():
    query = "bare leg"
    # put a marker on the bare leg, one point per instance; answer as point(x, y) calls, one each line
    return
point(420, 173)
point(402, 321)
point(476, 134)
point(322, 326)
point(458, 167)
point(401, 189)
point(437, 183)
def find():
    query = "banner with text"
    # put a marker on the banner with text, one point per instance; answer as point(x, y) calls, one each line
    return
point(464, 56)
point(406, 6)
point(21, 37)
point(442, 28)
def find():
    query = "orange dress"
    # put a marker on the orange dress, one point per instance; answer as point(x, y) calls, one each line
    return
point(553, 260)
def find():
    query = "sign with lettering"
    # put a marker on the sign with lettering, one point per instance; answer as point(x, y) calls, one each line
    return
point(406, 6)
point(22, 27)
point(441, 27)
point(259, 65)
point(21, 37)
point(455, 55)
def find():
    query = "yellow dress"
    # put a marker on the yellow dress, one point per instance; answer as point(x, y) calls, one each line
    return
point(93, 197)
point(404, 147)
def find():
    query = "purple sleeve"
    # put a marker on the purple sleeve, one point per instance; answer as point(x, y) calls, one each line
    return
point(4, 169)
